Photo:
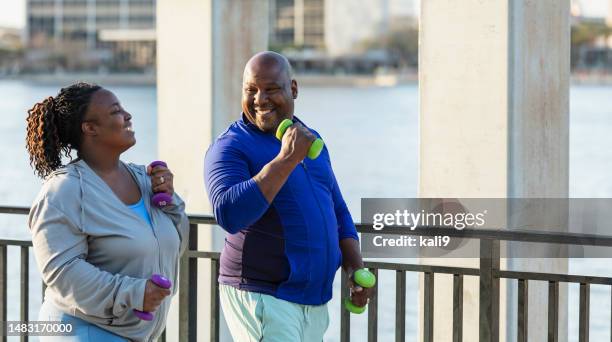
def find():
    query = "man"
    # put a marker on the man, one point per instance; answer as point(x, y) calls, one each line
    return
point(289, 227)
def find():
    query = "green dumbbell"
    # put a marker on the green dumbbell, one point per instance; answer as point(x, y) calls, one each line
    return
point(314, 150)
point(365, 279)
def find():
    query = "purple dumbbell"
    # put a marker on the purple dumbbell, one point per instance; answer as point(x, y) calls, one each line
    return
point(160, 199)
point(160, 281)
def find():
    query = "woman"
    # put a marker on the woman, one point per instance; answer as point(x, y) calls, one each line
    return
point(97, 239)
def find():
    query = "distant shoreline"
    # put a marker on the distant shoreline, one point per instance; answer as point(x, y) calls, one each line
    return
point(312, 80)
point(103, 79)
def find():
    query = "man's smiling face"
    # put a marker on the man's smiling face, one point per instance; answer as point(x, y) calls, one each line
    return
point(267, 92)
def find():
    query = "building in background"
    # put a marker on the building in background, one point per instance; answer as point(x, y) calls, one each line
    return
point(591, 41)
point(10, 38)
point(11, 51)
point(297, 24)
point(351, 22)
point(90, 35)
point(346, 36)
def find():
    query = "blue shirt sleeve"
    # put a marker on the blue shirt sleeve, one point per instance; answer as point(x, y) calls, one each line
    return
point(236, 199)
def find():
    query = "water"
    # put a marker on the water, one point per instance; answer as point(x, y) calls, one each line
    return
point(378, 127)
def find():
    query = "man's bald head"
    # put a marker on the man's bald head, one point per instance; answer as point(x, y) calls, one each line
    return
point(268, 90)
point(267, 61)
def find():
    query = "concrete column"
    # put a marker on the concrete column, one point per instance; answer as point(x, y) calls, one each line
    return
point(298, 20)
point(609, 16)
point(202, 46)
point(124, 14)
point(91, 24)
point(494, 90)
point(58, 21)
point(25, 35)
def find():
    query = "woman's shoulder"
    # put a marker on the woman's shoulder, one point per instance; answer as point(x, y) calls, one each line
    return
point(61, 192)
point(61, 185)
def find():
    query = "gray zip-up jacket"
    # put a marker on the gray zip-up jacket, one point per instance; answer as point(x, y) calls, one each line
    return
point(95, 254)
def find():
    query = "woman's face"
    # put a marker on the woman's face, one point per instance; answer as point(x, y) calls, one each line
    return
point(108, 124)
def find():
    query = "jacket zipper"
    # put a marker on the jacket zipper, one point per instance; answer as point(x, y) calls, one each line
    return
point(322, 217)
point(159, 263)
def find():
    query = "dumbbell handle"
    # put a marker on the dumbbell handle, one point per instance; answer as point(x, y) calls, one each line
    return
point(160, 199)
point(314, 150)
point(365, 279)
point(160, 281)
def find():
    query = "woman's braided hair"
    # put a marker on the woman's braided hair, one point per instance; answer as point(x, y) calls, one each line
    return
point(54, 127)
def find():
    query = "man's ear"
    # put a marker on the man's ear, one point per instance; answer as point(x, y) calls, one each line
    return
point(294, 89)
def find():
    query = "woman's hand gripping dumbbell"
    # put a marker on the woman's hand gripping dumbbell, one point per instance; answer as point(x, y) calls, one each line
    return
point(157, 288)
point(364, 278)
point(161, 180)
point(314, 150)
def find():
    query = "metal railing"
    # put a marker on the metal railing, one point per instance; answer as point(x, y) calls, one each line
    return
point(489, 274)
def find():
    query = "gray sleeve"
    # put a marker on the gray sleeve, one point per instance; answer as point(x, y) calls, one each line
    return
point(60, 249)
point(176, 212)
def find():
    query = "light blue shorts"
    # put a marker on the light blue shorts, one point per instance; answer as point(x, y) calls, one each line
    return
point(253, 316)
point(82, 331)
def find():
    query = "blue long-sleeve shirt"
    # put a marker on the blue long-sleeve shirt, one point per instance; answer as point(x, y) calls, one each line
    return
point(288, 248)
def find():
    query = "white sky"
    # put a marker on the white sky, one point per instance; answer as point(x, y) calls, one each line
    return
point(12, 12)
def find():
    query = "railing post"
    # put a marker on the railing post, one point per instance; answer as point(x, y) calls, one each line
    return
point(373, 311)
point(489, 291)
point(583, 317)
point(3, 288)
point(428, 307)
point(611, 314)
point(24, 292)
point(523, 311)
point(214, 300)
point(400, 306)
point(457, 308)
point(553, 311)
point(345, 316)
point(188, 286)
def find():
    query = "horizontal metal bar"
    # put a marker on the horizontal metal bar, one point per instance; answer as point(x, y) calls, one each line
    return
point(488, 234)
point(201, 219)
point(14, 210)
point(422, 268)
point(564, 278)
point(11, 242)
point(197, 219)
point(202, 255)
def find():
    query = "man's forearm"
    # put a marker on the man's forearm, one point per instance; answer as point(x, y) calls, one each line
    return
point(273, 176)
point(351, 255)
